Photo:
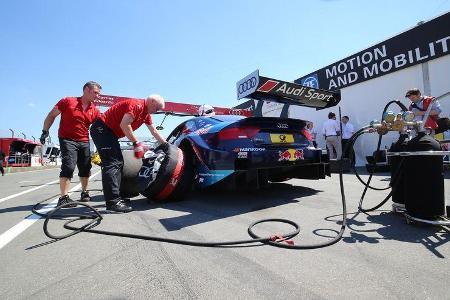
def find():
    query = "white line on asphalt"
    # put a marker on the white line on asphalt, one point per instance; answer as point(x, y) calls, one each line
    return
point(30, 171)
point(28, 191)
point(17, 229)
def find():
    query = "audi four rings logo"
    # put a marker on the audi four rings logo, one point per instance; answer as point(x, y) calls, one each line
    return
point(247, 85)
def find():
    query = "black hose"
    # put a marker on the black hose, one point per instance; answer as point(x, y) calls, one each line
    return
point(279, 240)
point(349, 146)
point(96, 219)
point(35, 209)
point(366, 186)
point(395, 178)
point(396, 175)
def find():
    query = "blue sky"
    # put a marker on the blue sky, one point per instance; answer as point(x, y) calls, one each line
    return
point(187, 51)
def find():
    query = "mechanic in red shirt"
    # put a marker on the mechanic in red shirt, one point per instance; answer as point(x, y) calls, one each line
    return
point(118, 121)
point(77, 113)
point(419, 105)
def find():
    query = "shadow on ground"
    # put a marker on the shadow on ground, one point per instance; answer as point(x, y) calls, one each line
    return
point(386, 225)
point(208, 205)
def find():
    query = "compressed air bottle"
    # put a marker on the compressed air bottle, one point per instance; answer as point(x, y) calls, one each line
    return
point(424, 178)
point(396, 164)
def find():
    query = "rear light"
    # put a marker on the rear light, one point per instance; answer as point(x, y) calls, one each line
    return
point(306, 134)
point(237, 133)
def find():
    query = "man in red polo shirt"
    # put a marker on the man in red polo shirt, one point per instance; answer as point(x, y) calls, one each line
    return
point(118, 121)
point(77, 113)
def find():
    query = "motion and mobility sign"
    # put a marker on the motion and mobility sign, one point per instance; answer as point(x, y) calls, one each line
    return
point(263, 88)
point(422, 43)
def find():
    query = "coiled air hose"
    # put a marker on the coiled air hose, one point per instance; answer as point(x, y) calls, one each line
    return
point(395, 174)
point(95, 218)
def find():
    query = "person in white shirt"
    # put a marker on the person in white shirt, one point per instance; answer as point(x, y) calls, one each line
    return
point(331, 132)
point(347, 132)
point(313, 132)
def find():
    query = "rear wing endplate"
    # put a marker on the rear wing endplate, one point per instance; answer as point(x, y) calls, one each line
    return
point(258, 87)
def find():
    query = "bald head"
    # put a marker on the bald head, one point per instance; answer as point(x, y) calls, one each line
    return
point(154, 103)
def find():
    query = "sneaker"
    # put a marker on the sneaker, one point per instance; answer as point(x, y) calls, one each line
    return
point(126, 200)
point(85, 197)
point(118, 206)
point(65, 200)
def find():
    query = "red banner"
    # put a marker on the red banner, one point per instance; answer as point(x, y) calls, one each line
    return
point(174, 107)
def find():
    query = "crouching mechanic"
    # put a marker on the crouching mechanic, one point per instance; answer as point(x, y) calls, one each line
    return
point(419, 105)
point(77, 113)
point(118, 121)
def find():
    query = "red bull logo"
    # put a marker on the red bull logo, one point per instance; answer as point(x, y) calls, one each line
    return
point(284, 155)
point(298, 154)
point(290, 155)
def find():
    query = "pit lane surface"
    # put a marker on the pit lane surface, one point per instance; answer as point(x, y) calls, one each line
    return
point(380, 255)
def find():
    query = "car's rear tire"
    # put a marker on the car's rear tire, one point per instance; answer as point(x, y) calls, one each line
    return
point(173, 179)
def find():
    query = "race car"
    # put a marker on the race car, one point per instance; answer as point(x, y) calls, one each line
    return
point(229, 145)
point(248, 151)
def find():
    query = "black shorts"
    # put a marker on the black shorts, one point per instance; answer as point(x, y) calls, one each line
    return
point(73, 154)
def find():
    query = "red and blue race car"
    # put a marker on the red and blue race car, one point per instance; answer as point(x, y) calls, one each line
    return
point(248, 151)
point(230, 146)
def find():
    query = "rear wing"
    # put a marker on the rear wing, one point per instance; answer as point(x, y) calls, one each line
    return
point(258, 87)
point(173, 108)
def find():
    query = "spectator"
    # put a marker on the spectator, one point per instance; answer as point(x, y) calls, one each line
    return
point(2, 158)
point(331, 132)
point(347, 132)
point(312, 132)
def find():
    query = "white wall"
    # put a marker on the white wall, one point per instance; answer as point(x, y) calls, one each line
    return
point(440, 81)
point(365, 101)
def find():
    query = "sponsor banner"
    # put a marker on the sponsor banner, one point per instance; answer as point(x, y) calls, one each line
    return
point(273, 90)
point(182, 109)
point(106, 100)
point(422, 43)
point(297, 94)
